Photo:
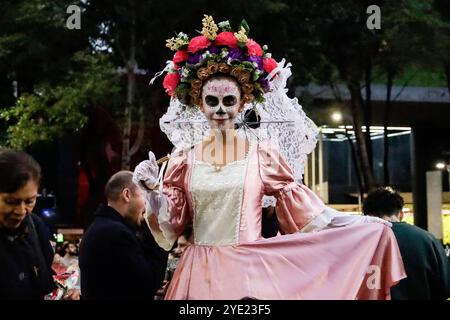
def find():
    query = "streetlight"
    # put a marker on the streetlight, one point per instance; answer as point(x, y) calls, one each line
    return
point(440, 165)
point(336, 116)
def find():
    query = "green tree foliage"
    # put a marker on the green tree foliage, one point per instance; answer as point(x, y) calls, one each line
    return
point(337, 47)
point(36, 58)
point(51, 111)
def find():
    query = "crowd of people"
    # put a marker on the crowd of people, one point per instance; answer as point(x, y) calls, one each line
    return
point(119, 258)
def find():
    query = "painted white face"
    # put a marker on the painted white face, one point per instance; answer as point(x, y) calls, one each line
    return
point(221, 102)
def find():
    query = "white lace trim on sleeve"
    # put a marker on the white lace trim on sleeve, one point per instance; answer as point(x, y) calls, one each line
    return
point(321, 221)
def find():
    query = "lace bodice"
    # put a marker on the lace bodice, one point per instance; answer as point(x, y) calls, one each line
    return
point(225, 205)
point(217, 197)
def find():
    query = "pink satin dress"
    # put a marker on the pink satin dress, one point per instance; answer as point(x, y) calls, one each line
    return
point(229, 259)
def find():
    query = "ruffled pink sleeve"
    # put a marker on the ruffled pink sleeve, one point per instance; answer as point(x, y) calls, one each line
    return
point(174, 213)
point(296, 206)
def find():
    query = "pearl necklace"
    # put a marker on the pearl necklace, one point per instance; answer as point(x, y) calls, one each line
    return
point(219, 168)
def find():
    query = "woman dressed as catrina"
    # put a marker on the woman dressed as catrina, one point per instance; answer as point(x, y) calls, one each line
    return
point(217, 185)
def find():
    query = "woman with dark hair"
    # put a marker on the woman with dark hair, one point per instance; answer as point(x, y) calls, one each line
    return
point(26, 252)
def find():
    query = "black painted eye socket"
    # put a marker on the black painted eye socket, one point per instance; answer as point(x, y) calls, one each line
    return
point(229, 101)
point(212, 101)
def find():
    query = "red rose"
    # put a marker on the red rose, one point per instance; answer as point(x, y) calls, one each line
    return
point(226, 38)
point(269, 64)
point(198, 43)
point(170, 82)
point(180, 56)
point(253, 48)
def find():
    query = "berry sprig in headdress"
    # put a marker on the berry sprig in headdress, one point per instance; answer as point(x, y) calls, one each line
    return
point(218, 50)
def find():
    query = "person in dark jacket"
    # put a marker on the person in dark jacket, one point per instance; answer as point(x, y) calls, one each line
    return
point(426, 264)
point(26, 253)
point(119, 259)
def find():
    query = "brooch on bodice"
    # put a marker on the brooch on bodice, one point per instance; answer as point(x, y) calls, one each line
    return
point(216, 167)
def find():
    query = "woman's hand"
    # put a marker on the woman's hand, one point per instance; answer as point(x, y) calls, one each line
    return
point(331, 218)
point(146, 177)
point(147, 172)
point(341, 220)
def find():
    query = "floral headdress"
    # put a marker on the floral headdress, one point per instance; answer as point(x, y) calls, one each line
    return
point(213, 52)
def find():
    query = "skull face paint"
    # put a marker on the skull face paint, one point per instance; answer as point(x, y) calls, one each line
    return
point(221, 102)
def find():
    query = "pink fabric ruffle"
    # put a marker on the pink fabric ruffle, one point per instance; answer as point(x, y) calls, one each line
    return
point(344, 263)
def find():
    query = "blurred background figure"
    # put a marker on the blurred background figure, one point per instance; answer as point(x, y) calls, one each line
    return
point(67, 268)
point(426, 264)
point(269, 223)
point(183, 241)
point(182, 244)
point(71, 254)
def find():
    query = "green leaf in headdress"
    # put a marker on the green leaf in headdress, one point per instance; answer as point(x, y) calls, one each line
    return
point(245, 25)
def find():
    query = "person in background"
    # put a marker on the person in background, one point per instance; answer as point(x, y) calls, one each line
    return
point(71, 254)
point(426, 264)
point(26, 253)
point(59, 249)
point(183, 241)
point(119, 259)
point(269, 223)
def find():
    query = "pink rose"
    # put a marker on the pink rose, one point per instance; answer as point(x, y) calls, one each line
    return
point(180, 56)
point(170, 82)
point(269, 64)
point(198, 43)
point(253, 48)
point(226, 38)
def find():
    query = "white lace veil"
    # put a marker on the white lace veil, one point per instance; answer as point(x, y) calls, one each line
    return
point(282, 121)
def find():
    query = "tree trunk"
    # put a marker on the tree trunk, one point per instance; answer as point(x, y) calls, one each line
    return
point(387, 112)
point(447, 74)
point(140, 134)
point(355, 164)
point(368, 112)
point(356, 107)
point(131, 89)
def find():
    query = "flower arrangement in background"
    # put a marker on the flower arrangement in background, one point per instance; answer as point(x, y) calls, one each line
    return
point(218, 50)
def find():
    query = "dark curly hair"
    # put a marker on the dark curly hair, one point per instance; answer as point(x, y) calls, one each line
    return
point(383, 201)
